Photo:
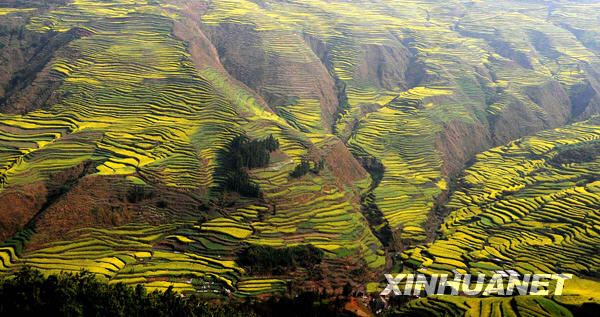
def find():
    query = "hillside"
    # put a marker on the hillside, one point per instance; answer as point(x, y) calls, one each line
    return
point(119, 121)
point(528, 206)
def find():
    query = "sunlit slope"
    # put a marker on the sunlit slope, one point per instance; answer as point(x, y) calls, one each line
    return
point(418, 86)
point(127, 254)
point(531, 206)
point(421, 85)
point(132, 82)
point(138, 112)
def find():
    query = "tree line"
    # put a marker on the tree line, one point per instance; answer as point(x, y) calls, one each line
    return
point(29, 293)
point(578, 153)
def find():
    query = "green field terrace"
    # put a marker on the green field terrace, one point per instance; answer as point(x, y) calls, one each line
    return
point(413, 70)
point(414, 85)
point(144, 115)
point(529, 206)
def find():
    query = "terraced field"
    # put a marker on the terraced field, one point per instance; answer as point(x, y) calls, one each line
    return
point(144, 115)
point(314, 210)
point(529, 206)
point(146, 124)
point(576, 292)
point(525, 207)
point(507, 306)
point(118, 171)
point(416, 77)
point(129, 254)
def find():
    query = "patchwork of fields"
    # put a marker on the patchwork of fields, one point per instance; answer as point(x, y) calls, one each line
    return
point(416, 77)
point(119, 172)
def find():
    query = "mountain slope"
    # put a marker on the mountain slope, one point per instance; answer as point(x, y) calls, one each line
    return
point(421, 86)
point(113, 133)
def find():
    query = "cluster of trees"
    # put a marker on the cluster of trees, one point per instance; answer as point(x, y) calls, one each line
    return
point(139, 193)
point(244, 154)
point(267, 259)
point(239, 181)
point(250, 154)
point(579, 153)
point(374, 167)
point(29, 293)
point(5, 30)
point(377, 222)
point(304, 167)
